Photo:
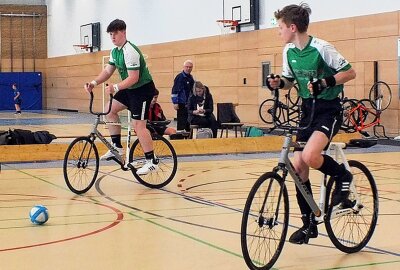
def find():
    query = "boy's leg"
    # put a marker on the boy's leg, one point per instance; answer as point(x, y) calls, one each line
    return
point(114, 130)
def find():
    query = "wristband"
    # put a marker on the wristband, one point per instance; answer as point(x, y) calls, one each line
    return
point(116, 89)
point(330, 81)
point(93, 82)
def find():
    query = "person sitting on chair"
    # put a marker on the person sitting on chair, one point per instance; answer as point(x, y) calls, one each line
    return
point(201, 107)
point(157, 114)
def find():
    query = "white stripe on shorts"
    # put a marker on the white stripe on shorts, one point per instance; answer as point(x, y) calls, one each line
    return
point(143, 110)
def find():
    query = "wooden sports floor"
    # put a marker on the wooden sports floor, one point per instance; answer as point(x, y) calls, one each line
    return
point(193, 223)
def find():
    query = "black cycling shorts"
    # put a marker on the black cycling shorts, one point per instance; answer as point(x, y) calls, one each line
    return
point(327, 118)
point(137, 100)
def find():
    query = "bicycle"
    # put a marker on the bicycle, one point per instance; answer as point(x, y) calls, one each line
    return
point(359, 115)
point(265, 219)
point(81, 161)
point(284, 112)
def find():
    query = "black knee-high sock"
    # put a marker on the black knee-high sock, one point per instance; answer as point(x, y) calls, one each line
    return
point(150, 156)
point(116, 139)
point(303, 205)
point(331, 167)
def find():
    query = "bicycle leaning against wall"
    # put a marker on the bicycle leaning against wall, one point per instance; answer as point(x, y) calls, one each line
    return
point(81, 161)
point(265, 219)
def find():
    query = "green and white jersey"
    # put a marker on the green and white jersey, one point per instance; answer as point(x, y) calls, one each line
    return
point(319, 59)
point(129, 57)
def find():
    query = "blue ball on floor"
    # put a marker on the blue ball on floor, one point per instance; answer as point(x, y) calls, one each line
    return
point(39, 214)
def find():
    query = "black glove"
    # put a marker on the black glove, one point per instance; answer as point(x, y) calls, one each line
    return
point(317, 86)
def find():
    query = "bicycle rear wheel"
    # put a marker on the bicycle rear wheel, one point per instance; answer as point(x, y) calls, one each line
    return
point(350, 117)
point(350, 233)
point(265, 222)
point(380, 96)
point(167, 166)
point(81, 165)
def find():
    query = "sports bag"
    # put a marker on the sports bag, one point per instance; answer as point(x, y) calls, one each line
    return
point(204, 133)
point(253, 132)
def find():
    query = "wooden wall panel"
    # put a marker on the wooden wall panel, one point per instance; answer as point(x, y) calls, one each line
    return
point(222, 63)
point(377, 25)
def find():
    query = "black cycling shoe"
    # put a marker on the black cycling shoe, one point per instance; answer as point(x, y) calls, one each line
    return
point(342, 188)
point(302, 235)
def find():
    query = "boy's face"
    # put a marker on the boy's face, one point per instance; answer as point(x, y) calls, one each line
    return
point(286, 32)
point(118, 38)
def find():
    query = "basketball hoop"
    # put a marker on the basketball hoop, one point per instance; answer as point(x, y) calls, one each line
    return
point(81, 48)
point(228, 26)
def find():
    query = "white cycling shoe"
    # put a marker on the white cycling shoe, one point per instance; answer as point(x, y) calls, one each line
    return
point(109, 154)
point(148, 167)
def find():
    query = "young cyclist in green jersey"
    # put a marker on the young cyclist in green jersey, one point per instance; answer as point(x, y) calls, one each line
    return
point(306, 57)
point(134, 92)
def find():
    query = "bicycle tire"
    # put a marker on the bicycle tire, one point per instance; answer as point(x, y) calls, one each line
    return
point(294, 97)
point(168, 162)
point(265, 111)
point(263, 236)
point(79, 174)
point(380, 95)
point(347, 232)
point(349, 119)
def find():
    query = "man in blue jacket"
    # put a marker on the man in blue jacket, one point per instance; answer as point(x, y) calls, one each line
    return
point(182, 89)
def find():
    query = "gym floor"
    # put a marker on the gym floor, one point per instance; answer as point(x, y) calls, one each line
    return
point(193, 223)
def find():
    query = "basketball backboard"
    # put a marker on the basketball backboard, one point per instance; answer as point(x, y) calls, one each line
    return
point(238, 10)
point(90, 36)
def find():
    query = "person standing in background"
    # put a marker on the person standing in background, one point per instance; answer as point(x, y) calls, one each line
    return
point(17, 99)
point(181, 91)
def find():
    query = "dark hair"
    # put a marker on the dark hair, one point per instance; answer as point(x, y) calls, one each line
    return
point(298, 15)
point(14, 84)
point(116, 25)
point(156, 92)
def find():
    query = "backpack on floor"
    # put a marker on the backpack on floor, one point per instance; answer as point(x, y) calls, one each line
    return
point(43, 137)
point(204, 133)
point(254, 132)
point(22, 136)
point(5, 137)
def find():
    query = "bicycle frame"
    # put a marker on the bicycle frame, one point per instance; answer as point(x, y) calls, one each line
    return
point(96, 133)
point(285, 165)
point(359, 124)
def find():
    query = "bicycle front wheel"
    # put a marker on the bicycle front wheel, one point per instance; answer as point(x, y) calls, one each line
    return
point(81, 165)
point(266, 111)
point(167, 166)
point(380, 96)
point(265, 222)
point(351, 232)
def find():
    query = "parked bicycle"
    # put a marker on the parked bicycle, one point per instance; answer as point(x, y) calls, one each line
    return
point(81, 161)
point(359, 115)
point(265, 219)
point(283, 112)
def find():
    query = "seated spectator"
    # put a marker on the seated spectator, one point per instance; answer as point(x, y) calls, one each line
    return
point(201, 107)
point(157, 114)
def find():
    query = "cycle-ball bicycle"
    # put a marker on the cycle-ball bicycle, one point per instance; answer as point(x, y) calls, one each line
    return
point(81, 161)
point(265, 219)
point(359, 115)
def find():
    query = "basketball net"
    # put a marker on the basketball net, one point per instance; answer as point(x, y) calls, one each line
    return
point(227, 26)
point(81, 48)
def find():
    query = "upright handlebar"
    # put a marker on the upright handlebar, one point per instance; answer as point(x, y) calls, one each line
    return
point(100, 113)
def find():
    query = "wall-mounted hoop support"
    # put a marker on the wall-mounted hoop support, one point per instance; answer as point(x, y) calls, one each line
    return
point(228, 26)
point(82, 48)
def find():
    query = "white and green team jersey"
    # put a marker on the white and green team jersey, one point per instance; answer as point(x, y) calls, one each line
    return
point(129, 57)
point(319, 59)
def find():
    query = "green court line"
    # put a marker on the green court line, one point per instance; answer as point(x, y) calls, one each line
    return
point(189, 236)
